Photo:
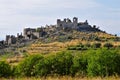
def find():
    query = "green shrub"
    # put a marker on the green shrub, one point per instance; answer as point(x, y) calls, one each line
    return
point(78, 48)
point(71, 48)
point(5, 69)
point(108, 45)
point(58, 64)
point(80, 45)
point(97, 45)
point(79, 65)
point(87, 45)
point(15, 72)
point(84, 48)
point(43, 67)
point(64, 63)
point(103, 63)
point(27, 67)
point(100, 62)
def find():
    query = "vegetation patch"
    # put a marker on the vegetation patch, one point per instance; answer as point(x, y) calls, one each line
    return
point(98, 62)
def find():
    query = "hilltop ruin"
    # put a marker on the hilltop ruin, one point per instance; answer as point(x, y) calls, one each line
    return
point(42, 32)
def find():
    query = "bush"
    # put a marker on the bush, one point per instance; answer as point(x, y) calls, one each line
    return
point(43, 67)
point(103, 63)
point(58, 64)
point(15, 72)
point(64, 63)
point(79, 65)
point(80, 45)
point(78, 48)
point(71, 48)
point(27, 67)
point(5, 69)
point(108, 45)
point(87, 45)
point(97, 45)
point(100, 62)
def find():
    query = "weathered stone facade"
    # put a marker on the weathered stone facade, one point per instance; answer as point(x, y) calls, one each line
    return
point(67, 23)
point(10, 39)
point(30, 33)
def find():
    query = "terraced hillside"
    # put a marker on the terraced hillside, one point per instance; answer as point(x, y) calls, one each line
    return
point(58, 42)
point(76, 38)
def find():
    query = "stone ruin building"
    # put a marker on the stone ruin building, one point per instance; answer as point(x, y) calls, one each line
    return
point(30, 33)
point(10, 39)
point(33, 33)
point(67, 23)
point(74, 24)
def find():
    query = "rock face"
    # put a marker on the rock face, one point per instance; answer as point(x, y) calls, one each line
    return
point(61, 26)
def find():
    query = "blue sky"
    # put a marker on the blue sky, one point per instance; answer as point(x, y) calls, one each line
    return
point(18, 14)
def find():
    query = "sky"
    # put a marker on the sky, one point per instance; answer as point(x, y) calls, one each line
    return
point(15, 15)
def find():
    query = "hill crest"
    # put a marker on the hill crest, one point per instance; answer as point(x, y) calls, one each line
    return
point(64, 30)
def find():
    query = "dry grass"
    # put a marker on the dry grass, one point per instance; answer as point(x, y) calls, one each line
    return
point(15, 60)
point(64, 78)
point(59, 46)
point(55, 47)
